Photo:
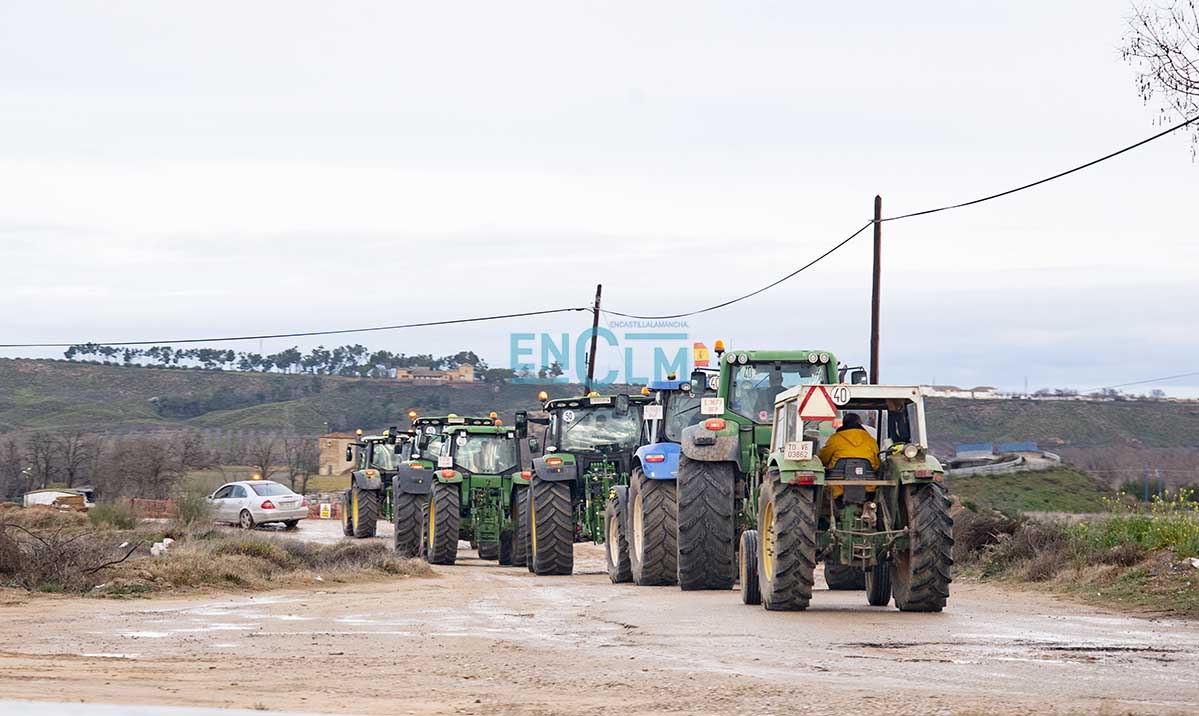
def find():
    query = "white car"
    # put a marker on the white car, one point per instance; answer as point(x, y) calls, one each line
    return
point(255, 502)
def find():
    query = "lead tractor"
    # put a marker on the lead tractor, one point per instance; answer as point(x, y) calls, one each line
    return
point(435, 498)
point(891, 522)
point(579, 487)
point(370, 494)
point(485, 459)
point(724, 457)
point(652, 507)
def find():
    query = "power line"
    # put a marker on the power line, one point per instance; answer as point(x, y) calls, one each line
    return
point(1059, 175)
point(299, 335)
point(1144, 382)
point(808, 265)
point(913, 214)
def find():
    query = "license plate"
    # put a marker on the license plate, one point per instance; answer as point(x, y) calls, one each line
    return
point(607, 400)
point(653, 412)
point(445, 461)
point(711, 406)
point(798, 450)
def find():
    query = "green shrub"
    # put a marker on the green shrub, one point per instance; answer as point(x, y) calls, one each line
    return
point(1168, 525)
point(192, 506)
point(118, 515)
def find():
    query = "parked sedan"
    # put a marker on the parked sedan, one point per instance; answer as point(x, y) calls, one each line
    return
point(255, 502)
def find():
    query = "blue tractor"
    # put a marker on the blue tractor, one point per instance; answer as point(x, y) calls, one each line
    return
point(652, 507)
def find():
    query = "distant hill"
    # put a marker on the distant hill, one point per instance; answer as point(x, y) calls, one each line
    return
point(52, 395)
point(48, 394)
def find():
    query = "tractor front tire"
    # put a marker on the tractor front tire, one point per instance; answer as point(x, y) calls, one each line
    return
point(706, 524)
point(878, 585)
point(787, 558)
point(489, 550)
point(365, 507)
point(520, 522)
point(844, 577)
point(407, 509)
point(920, 575)
point(653, 531)
point(616, 540)
point(506, 548)
point(751, 588)
point(347, 518)
point(442, 523)
point(552, 526)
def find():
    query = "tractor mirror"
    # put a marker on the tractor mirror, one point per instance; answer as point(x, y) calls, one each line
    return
point(622, 405)
point(349, 453)
point(522, 423)
point(534, 444)
point(858, 377)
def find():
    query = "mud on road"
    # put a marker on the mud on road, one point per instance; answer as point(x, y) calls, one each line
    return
point(483, 639)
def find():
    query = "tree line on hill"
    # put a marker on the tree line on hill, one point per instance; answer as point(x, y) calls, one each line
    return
point(351, 360)
point(146, 465)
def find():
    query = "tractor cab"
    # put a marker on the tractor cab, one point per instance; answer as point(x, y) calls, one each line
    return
point(675, 407)
point(429, 438)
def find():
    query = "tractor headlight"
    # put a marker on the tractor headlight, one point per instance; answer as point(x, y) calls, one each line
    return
point(824, 357)
point(813, 358)
point(743, 359)
point(911, 450)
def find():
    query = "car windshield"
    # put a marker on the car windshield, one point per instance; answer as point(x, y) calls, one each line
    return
point(598, 429)
point(383, 456)
point(755, 385)
point(269, 489)
point(682, 410)
point(484, 454)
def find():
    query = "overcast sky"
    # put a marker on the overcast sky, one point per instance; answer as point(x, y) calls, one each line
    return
point(170, 170)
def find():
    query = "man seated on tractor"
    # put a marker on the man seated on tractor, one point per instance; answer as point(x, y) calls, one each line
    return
point(850, 440)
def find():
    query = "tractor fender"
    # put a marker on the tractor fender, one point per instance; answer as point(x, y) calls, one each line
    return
point(412, 482)
point(705, 445)
point(368, 480)
point(441, 476)
point(566, 472)
point(785, 470)
point(665, 469)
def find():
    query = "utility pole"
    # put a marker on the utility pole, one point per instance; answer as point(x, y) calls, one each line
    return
point(599, 287)
point(874, 300)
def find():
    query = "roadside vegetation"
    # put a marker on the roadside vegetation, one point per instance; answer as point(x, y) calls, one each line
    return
point(1056, 490)
point(1132, 557)
point(111, 553)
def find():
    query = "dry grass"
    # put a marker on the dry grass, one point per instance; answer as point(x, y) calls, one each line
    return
point(45, 550)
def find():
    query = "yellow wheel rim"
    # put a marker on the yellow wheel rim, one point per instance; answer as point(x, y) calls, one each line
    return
point(533, 520)
point(767, 536)
point(613, 540)
point(638, 541)
point(354, 503)
point(432, 519)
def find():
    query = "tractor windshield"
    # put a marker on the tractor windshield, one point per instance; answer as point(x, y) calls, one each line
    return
point(484, 454)
point(682, 410)
point(431, 445)
point(383, 457)
point(754, 386)
point(597, 429)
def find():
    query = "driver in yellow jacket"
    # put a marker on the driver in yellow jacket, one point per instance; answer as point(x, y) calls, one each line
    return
point(850, 440)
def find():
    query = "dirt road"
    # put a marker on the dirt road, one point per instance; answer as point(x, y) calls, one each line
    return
point(479, 638)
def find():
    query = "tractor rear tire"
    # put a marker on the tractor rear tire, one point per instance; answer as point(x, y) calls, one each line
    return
point(489, 550)
point(787, 559)
point(751, 589)
point(407, 509)
point(443, 523)
point(878, 585)
point(552, 526)
point(520, 526)
point(616, 535)
point(347, 518)
point(506, 548)
point(366, 512)
point(706, 524)
point(844, 577)
point(653, 531)
point(920, 575)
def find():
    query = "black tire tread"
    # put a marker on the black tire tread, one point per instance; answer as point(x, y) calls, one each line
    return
point(407, 511)
point(554, 512)
point(367, 523)
point(923, 586)
point(706, 528)
point(444, 548)
point(795, 524)
point(658, 564)
point(619, 569)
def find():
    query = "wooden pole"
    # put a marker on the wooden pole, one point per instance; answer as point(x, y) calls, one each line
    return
point(599, 287)
point(874, 300)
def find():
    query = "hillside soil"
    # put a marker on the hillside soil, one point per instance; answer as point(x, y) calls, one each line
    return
point(480, 638)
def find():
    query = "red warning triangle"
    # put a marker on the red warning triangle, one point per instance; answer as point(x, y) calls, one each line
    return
point(817, 405)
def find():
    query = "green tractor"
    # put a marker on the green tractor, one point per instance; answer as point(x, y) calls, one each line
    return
point(376, 458)
point(579, 487)
point(724, 457)
point(485, 458)
point(886, 518)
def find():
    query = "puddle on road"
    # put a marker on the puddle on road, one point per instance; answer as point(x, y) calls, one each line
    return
point(108, 655)
point(146, 634)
